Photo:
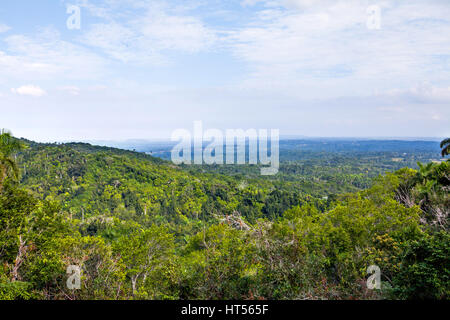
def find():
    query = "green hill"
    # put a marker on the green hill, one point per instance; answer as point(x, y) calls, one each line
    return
point(141, 228)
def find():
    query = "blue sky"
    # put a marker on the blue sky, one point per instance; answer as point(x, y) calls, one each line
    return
point(141, 69)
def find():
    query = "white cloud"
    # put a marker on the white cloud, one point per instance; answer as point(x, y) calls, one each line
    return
point(4, 28)
point(29, 90)
point(97, 88)
point(46, 56)
point(144, 37)
point(294, 4)
point(327, 45)
point(293, 61)
point(422, 93)
point(436, 117)
point(183, 33)
point(73, 90)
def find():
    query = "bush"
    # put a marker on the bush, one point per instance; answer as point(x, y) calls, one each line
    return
point(424, 268)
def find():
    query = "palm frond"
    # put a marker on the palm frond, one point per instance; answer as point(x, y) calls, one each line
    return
point(446, 151)
point(445, 142)
point(8, 144)
point(13, 168)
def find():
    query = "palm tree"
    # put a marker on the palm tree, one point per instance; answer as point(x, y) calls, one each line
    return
point(9, 146)
point(445, 146)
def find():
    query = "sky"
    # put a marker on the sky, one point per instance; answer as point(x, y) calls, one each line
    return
point(140, 69)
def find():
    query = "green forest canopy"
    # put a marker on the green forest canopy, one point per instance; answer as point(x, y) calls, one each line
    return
point(141, 228)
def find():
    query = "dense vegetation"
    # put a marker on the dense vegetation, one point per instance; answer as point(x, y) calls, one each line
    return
point(141, 228)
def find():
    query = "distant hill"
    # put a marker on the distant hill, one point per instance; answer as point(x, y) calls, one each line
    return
point(96, 180)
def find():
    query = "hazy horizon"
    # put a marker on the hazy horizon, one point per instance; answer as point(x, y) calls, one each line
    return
point(282, 138)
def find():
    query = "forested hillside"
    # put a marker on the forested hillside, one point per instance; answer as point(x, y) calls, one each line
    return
point(142, 228)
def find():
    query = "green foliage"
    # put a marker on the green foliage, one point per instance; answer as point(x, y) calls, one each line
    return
point(9, 146)
point(146, 254)
point(15, 290)
point(142, 228)
point(336, 246)
point(424, 271)
point(429, 188)
point(217, 264)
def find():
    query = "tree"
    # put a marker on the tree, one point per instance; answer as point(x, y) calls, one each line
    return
point(146, 255)
point(445, 146)
point(9, 146)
